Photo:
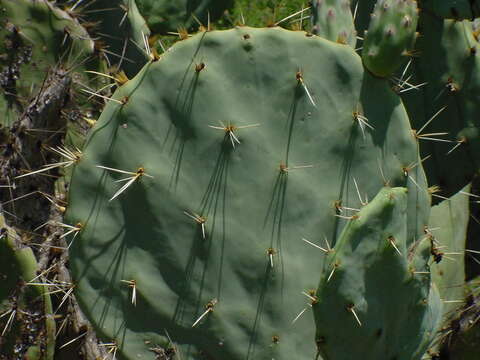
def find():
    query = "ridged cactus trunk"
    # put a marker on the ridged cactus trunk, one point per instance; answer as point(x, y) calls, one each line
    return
point(205, 192)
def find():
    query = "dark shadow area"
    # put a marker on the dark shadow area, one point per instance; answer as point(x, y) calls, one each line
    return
point(345, 178)
point(258, 315)
point(212, 202)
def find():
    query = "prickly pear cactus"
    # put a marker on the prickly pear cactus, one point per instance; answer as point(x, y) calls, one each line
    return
point(375, 291)
point(333, 20)
point(444, 110)
point(188, 212)
point(118, 27)
point(448, 223)
point(390, 36)
point(36, 37)
point(27, 327)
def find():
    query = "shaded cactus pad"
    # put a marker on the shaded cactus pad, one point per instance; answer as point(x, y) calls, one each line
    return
point(207, 219)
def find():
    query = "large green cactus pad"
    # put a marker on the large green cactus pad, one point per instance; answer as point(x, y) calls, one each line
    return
point(293, 102)
point(375, 292)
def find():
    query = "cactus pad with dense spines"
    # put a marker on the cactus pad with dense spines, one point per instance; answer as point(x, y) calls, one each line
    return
point(36, 37)
point(257, 141)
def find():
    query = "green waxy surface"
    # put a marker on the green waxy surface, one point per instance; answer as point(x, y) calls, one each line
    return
point(333, 20)
point(375, 300)
point(448, 227)
point(26, 309)
point(390, 36)
point(248, 77)
point(449, 221)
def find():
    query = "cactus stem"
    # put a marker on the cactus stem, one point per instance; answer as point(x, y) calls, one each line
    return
point(199, 220)
point(317, 246)
point(350, 308)
point(209, 308)
point(299, 77)
point(132, 284)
